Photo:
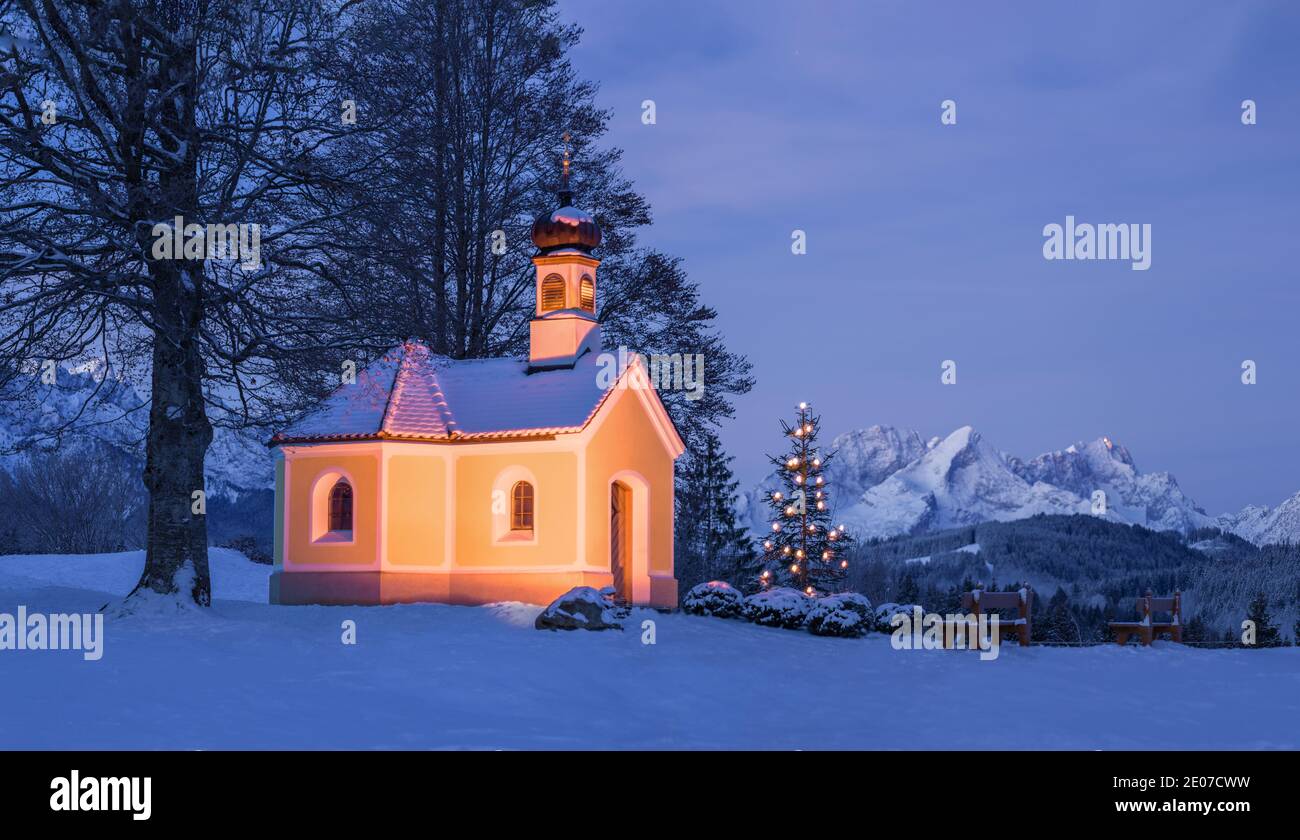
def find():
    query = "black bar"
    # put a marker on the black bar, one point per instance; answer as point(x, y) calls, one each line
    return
point(330, 789)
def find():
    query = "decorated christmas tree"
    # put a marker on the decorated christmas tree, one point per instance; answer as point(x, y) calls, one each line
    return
point(802, 548)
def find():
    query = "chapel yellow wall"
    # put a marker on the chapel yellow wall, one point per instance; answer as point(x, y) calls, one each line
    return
point(278, 536)
point(417, 510)
point(555, 508)
point(627, 440)
point(303, 470)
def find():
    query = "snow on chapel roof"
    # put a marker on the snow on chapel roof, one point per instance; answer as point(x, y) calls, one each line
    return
point(410, 393)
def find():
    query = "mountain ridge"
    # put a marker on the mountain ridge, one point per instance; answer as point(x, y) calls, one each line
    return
point(887, 481)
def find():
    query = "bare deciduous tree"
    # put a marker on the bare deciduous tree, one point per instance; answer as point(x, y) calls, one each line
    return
point(117, 116)
point(466, 101)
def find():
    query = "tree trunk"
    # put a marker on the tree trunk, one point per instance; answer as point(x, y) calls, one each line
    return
point(179, 434)
point(176, 561)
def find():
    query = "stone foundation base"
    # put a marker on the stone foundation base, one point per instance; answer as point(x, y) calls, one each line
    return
point(346, 588)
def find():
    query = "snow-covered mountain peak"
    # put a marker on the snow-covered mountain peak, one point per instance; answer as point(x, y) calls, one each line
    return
point(866, 457)
point(887, 481)
point(1105, 450)
point(1151, 499)
point(1263, 525)
point(103, 411)
point(960, 450)
point(1082, 467)
point(1116, 450)
point(961, 480)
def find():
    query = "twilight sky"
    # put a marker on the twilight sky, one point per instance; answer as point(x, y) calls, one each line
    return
point(925, 240)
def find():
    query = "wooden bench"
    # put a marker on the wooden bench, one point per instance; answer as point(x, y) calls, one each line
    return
point(979, 601)
point(1148, 630)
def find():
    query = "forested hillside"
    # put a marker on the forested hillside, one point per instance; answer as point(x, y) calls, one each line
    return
point(1086, 571)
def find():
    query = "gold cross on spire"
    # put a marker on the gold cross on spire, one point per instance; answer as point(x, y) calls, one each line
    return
point(564, 171)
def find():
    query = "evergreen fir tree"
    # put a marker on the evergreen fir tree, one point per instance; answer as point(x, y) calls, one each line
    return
point(728, 545)
point(690, 501)
point(1092, 626)
point(803, 549)
point(1059, 624)
point(1266, 635)
point(934, 598)
point(907, 591)
point(709, 544)
point(967, 585)
point(1296, 629)
point(1038, 630)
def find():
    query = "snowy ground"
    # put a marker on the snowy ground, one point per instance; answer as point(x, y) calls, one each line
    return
point(253, 676)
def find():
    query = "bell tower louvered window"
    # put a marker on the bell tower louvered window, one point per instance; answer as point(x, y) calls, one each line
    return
point(588, 295)
point(552, 293)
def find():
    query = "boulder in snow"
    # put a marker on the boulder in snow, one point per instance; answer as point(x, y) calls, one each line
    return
point(717, 598)
point(581, 608)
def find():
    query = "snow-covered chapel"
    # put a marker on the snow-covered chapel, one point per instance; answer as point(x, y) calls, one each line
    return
point(480, 480)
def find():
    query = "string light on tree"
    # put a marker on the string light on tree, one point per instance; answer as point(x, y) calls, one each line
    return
point(809, 554)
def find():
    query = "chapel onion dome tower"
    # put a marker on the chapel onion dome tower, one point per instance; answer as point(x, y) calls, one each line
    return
point(564, 327)
point(566, 227)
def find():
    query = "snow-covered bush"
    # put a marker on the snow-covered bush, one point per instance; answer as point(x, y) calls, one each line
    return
point(780, 607)
point(885, 614)
point(717, 598)
point(844, 614)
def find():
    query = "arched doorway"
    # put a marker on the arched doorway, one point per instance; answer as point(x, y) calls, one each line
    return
point(620, 540)
point(629, 550)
